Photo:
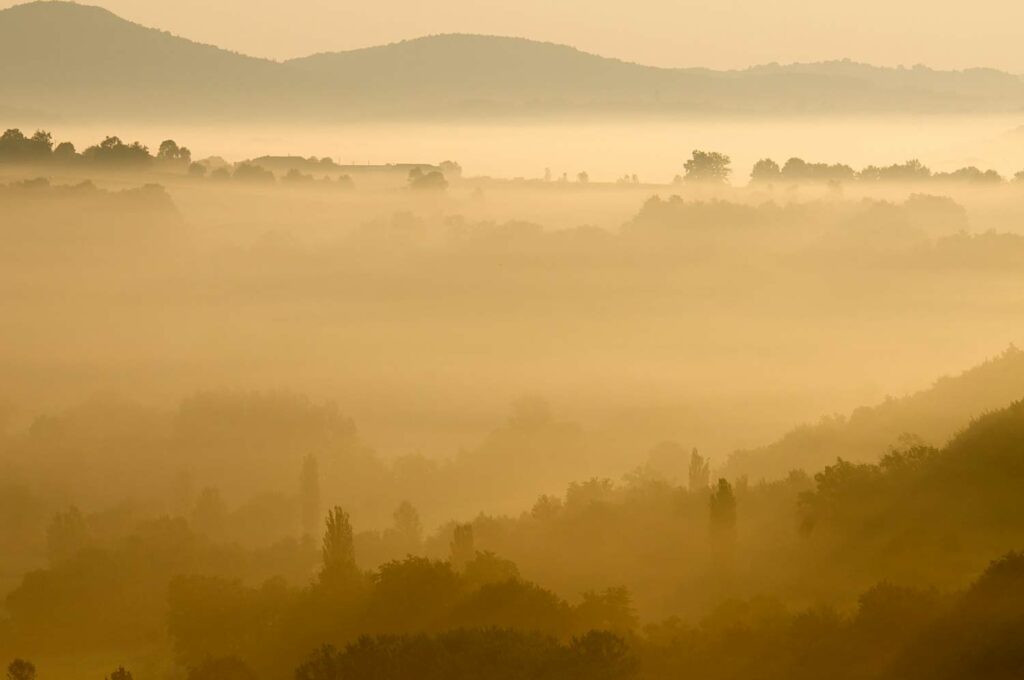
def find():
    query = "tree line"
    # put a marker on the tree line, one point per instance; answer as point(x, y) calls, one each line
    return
point(704, 167)
point(16, 147)
point(712, 167)
point(40, 148)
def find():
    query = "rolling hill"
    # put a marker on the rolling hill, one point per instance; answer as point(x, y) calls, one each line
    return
point(68, 60)
point(934, 415)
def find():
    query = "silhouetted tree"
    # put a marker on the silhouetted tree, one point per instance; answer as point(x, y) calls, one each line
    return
point(723, 530)
point(432, 180)
point(296, 176)
point(971, 175)
point(911, 171)
point(65, 152)
point(66, 535)
point(338, 552)
point(309, 495)
point(451, 169)
point(513, 604)
point(487, 568)
point(252, 173)
point(42, 143)
point(708, 166)
point(113, 151)
point(591, 492)
point(120, 673)
point(463, 548)
point(766, 170)
point(699, 473)
point(546, 507)
point(19, 669)
point(432, 585)
point(723, 507)
point(169, 151)
point(16, 147)
point(799, 170)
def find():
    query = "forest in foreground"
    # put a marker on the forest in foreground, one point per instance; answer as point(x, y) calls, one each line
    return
point(906, 537)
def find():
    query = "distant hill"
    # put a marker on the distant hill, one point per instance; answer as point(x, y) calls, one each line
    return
point(935, 415)
point(69, 59)
point(494, 74)
point(66, 60)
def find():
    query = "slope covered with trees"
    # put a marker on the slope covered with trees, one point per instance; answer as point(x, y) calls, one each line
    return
point(932, 415)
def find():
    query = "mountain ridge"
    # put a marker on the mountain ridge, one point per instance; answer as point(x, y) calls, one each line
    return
point(80, 60)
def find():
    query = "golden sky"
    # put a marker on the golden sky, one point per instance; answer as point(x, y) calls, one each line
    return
point(714, 33)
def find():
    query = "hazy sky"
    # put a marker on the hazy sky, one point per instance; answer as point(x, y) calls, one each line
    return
point(716, 33)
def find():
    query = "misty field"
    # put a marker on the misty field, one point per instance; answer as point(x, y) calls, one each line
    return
point(468, 356)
